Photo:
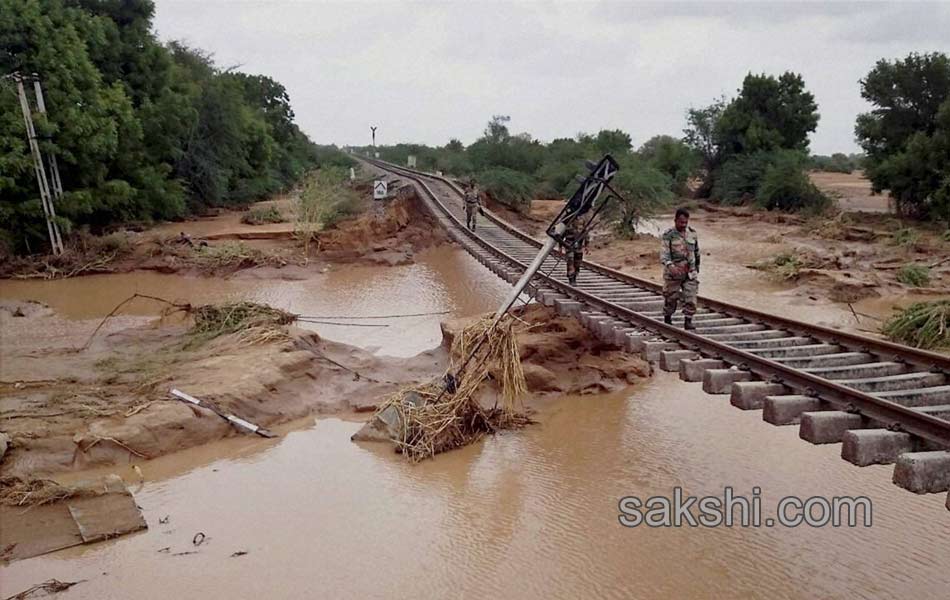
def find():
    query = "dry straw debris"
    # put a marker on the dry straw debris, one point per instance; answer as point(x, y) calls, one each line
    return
point(434, 421)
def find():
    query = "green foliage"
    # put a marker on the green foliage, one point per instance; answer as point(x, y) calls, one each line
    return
point(672, 157)
point(785, 186)
point(260, 215)
point(923, 325)
point(907, 134)
point(741, 139)
point(914, 275)
point(646, 190)
point(768, 114)
point(905, 236)
point(324, 201)
point(140, 130)
point(836, 163)
point(509, 187)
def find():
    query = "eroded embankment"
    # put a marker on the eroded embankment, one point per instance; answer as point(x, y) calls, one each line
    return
point(389, 232)
point(109, 403)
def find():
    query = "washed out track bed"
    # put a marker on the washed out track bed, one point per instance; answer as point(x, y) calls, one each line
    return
point(884, 403)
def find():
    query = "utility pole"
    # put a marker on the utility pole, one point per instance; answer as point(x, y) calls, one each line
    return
point(373, 128)
point(46, 192)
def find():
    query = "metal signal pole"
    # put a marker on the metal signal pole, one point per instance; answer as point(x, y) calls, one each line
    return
point(373, 128)
point(46, 197)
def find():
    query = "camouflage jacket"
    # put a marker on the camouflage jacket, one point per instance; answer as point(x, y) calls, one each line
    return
point(471, 197)
point(679, 253)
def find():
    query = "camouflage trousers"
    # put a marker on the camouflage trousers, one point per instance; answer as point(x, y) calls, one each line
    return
point(573, 258)
point(471, 213)
point(676, 289)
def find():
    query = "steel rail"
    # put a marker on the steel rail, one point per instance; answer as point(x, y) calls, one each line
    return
point(890, 414)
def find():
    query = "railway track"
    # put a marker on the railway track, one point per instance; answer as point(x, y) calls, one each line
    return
point(885, 403)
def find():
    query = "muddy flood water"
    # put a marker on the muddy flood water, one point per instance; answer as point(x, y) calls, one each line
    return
point(525, 514)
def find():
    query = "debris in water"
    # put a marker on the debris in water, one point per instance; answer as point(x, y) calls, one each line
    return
point(50, 586)
point(227, 417)
point(239, 553)
point(59, 516)
point(431, 418)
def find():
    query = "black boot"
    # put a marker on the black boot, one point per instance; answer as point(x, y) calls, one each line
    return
point(572, 280)
point(668, 319)
point(688, 323)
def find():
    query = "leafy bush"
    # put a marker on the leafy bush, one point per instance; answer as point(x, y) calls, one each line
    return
point(905, 236)
point(738, 179)
point(785, 186)
point(261, 215)
point(914, 275)
point(646, 191)
point(673, 157)
point(511, 188)
point(324, 201)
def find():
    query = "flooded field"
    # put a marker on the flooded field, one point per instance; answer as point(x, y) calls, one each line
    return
point(528, 514)
point(443, 280)
point(531, 514)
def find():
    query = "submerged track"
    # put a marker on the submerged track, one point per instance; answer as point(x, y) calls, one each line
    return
point(886, 402)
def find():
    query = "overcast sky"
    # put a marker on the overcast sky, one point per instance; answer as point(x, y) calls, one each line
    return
point(427, 72)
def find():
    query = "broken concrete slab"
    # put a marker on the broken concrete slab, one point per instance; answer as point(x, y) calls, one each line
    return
point(923, 472)
point(89, 512)
point(863, 447)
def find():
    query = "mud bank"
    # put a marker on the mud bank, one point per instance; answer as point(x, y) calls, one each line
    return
point(388, 232)
point(108, 404)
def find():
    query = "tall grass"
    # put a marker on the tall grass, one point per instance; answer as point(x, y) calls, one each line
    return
point(922, 325)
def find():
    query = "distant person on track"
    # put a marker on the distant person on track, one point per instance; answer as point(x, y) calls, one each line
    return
point(679, 254)
point(472, 205)
point(575, 240)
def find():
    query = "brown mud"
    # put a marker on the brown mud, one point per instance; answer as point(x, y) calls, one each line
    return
point(389, 232)
point(810, 270)
point(108, 403)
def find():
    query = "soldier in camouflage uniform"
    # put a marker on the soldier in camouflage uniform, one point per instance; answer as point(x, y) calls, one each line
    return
point(471, 206)
point(574, 241)
point(679, 255)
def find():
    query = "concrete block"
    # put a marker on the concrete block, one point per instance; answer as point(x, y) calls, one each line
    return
point(719, 381)
point(787, 410)
point(829, 427)
point(923, 472)
point(567, 307)
point(750, 395)
point(634, 343)
point(652, 349)
point(865, 447)
point(670, 359)
point(692, 370)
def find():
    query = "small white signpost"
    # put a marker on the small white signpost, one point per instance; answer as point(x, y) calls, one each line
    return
point(379, 190)
point(352, 173)
point(377, 154)
point(411, 161)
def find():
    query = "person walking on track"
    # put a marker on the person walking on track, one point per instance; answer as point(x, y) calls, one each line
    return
point(472, 205)
point(574, 241)
point(679, 255)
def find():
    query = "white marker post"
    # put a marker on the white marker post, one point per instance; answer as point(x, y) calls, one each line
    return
point(380, 189)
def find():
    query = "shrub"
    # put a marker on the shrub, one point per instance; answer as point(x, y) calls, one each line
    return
point(261, 215)
point(905, 236)
point(914, 275)
point(785, 186)
point(738, 179)
point(511, 188)
point(646, 191)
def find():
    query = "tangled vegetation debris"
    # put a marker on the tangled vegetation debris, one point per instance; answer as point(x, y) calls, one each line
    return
point(432, 420)
point(922, 325)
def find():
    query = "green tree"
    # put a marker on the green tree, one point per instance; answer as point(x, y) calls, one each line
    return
point(905, 134)
point(673, 157)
